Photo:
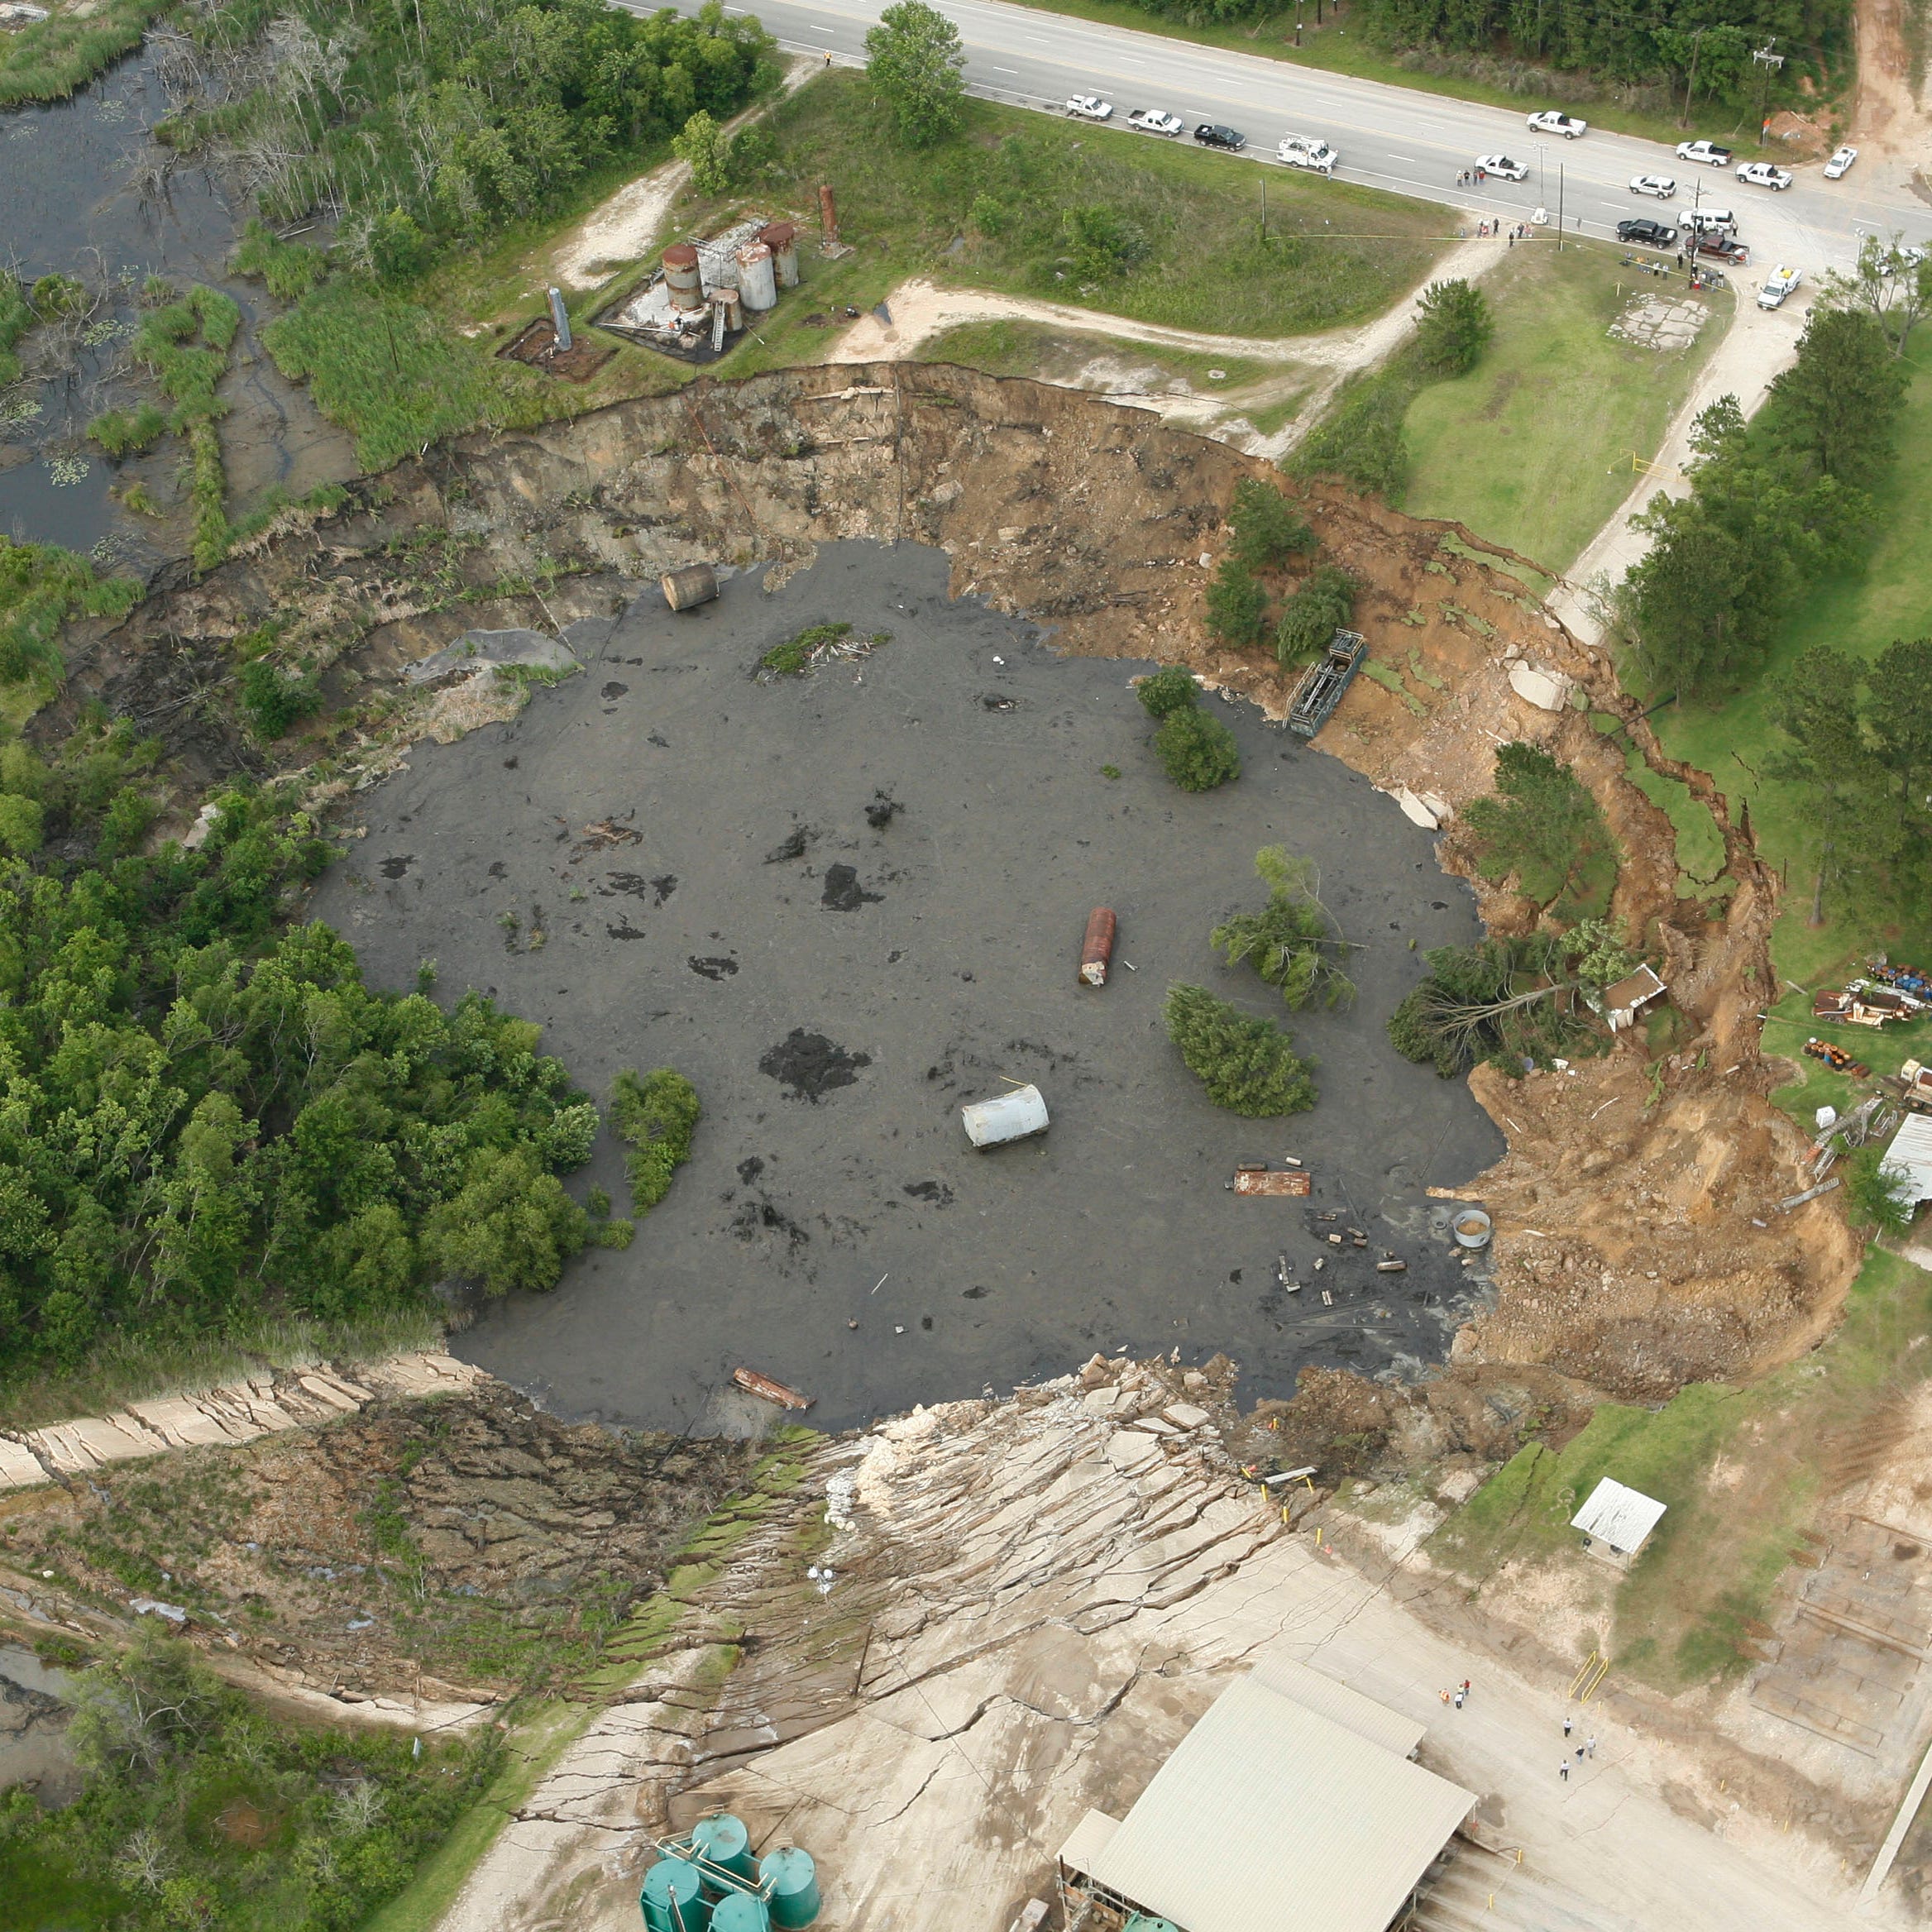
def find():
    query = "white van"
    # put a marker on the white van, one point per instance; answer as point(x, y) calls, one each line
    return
point(1708, 220)
point(1308, 150)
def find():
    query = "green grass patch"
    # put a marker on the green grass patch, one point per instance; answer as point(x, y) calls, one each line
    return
point(987, 207)
point(1859, 614)
point(1699, 845)
point(1050, 355)
point(49, 60)
point(1266, 419)
point(1531, 448)
point(1729, 1527)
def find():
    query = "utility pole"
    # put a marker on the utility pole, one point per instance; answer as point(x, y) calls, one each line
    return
point(1696, 40)
point(1769, 64)
point(1264, 207)
point(1559, 208)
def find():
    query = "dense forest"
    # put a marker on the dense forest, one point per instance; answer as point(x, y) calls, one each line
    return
point(207, 1115)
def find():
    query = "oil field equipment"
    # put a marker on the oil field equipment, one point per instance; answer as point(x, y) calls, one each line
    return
point(1321, 685)
point(708, 1881)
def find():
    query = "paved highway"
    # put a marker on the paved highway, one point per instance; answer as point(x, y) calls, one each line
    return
point(1389, 137)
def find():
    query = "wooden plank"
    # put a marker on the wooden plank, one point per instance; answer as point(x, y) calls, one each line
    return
point(1273, 1181)
point(766, 1389)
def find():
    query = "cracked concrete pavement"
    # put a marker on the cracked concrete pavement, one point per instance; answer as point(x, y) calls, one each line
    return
point(1034, 1600)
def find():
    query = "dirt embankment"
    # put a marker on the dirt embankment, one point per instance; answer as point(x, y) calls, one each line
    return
point(1639, 1244)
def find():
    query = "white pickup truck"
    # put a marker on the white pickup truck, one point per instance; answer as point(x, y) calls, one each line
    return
point(1156, 121)
point(1309, 152)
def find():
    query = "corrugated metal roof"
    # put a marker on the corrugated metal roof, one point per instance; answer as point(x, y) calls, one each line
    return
point(1264, 1802)
point(1642, 985)
point(1089, 1840)
point(1620, 1517)
point(1339, 1705)
point(1911, 1149)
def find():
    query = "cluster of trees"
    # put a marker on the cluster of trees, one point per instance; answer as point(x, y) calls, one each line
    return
point(1543, 826)
point(1774, 504)
point(1196, 750)
point(1362, 439)
point(207, 1112)
point(1267, 534)
point(446, 118)
point(337, 1820)
point(1857, 744)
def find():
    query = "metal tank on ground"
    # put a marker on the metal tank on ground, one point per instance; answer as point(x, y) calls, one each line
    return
point(793, 1883)
point(724, 1842)
point(782, 238)
point(682, 281)
point(741, 1912)
point(672, 1900)
point(757, 286)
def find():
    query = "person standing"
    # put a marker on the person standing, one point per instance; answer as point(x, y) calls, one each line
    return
point(1563, 1771)
point(1569, 1725)
point(1589, 1744)
point(1458, 1699)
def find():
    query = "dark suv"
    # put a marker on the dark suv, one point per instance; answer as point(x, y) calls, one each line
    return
point(1210, 135)
point(1646, 233)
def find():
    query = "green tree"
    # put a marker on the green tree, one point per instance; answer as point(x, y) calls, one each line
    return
point(21, 826)
point(1898, 715)
point(1453, 327)
point(1503, 1000)
point(1247, 1065)
point(510, 1227)
point(1322, 604)
point(705, 148)
point(1197, 751)
point(658, 1116)
point(1292, 943)
point(1815, 705)
point(1839, 401)
point(1888, 285)
point(1104, 244)
point(1237, 606)
point(1267, 530)
point(914, 58)
point(1543, 827)
point(1879, 1192)
point(1170, 689)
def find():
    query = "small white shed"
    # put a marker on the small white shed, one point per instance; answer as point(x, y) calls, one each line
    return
point(1616, 1521)
point(1006, 1116)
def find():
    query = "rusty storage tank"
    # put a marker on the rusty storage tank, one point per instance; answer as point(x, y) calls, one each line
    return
point(726, 299)
point(696, 583)
point(1097, 948)
point(782, 238)
point(757, 286)
point(681, 279)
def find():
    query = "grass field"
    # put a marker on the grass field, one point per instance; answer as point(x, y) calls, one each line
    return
point(1531, 449)
point(1027, 348)
point(1739, 1469)
point(1859, 614)
point(987, 209)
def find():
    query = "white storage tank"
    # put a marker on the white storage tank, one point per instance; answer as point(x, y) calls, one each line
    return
point(1006, 1117)
point(757, 286)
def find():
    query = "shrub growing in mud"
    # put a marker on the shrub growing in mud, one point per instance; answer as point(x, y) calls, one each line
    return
point(1237, 606)
point(1267, 530)
point(1291, 943)
point(1170, 689)
point(1197, 752)
point(277, 700)
point(1248, 1066)
point(122, 432)
point(658, 1114)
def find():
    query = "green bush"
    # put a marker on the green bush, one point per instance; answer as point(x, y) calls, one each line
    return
point(510, 1225)
point(290, 270)
point(41, 586)
point(792, 658)
point(1103, 245)
point(1169, 689)
point(1237, 606)
point(1291, 943)
point(17, 317)
point(22, 825)
point(1197, 751)
point(658, 1116)
point(1453, 327)
point(1878, 1194)
point(1323, 604)
point(277, 700)
point(1362, 439)
point(1546, 828)
point(1248, 1066)
point(122, 433)
point(1267, 530)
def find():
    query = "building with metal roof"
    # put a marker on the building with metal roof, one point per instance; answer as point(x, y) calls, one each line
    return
point(1269, 1798)
point(1911, 1152)
point(1616, 1521)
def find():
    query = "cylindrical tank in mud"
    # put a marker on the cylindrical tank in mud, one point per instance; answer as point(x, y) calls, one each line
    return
point(757, 286)
point(782, 238)
point(683, 282)
point(794, 1883)
point(1097, 948)
point(695, 583)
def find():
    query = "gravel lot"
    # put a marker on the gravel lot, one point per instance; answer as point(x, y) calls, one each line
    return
point(846, 903)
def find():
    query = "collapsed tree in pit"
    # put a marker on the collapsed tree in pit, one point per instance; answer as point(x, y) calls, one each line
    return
point(1248, 1066)
point(1292, 943)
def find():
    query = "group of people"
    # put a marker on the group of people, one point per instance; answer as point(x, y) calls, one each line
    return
point(1518, 231)
point(1460, 1696)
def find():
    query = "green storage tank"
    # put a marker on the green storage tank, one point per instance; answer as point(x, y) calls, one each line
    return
point(723, 1840)
point(738, 1911)
point(672, 1898)
point(794, 1883)
point(1140, 1922)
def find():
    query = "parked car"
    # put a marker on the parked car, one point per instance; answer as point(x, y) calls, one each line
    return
point(1550, 121)
point(1210, 134)
point(1647, 233)
point(1900, 254)
point(1308, 150)
point(1840, 163)
point(1707, 221)
point(1708, 153)
point(1782, 282)
point(1660, 185)
point(1763, 174)
point(1722, 248)
point(1502, 167)
point(1089, 107)
point(1156, 121)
